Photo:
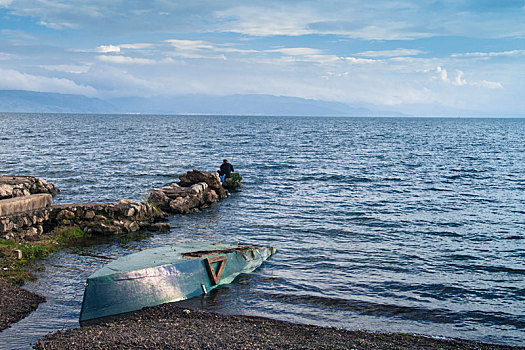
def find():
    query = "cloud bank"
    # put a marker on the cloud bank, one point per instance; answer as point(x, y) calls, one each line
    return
point(461, 54)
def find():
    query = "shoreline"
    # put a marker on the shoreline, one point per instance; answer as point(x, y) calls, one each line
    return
point(16, 303)
point(169, 326)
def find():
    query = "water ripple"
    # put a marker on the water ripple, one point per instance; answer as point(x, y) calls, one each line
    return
point(402, 224)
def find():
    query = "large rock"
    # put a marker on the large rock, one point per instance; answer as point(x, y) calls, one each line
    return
point(196, 176)
point(196, 190)
point(20, 186)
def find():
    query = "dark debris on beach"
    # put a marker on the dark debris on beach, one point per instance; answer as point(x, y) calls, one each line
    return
point(15, 304)
point(170, 327)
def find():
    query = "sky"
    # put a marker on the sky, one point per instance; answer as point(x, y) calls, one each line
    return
point(406, 55)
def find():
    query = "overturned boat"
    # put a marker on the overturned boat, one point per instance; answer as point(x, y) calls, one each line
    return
point(166, 274)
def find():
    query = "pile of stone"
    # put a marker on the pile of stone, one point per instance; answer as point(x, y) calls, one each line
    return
point(108, 218)
point(95, 218)
point(19, 186)
point(26, 224)
point(196, 190)
point(26, 213)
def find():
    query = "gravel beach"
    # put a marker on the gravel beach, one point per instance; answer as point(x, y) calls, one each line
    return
point(169, 326)
point(15, 304)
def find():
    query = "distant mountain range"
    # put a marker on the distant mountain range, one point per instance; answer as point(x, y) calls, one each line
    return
point(45, 102)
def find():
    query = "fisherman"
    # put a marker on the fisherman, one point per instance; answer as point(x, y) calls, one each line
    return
point(226, 170)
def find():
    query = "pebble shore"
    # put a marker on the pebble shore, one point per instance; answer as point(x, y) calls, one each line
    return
point(169, 326)
point(15, 304)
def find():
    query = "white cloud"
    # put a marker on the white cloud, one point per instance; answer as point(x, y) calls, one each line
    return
point(360, 60)
point(379, 20)
point(203, 49)
point(443, 74)
point(137, 46)
point(460, 80)
point(18, 34)
point(125, 59)
point(12, 79)
point(227, 47)
point(490, 54)
point(297, 51)
point(391, 53)
point(274, 19)
point(193, 45)
point(319, 59)
point(108, 48)
point(58, 26)
point(5, 56)
point(330, 17)
point(74, 69)
point(488, 84)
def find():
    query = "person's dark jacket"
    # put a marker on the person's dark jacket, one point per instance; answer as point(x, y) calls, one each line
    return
point(226, 169)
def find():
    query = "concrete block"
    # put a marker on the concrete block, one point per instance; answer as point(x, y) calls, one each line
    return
point(24, 204)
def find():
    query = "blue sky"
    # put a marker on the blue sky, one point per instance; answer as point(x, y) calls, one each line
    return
point(412, 56)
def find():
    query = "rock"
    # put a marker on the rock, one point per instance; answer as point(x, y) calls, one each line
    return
point(99, 217)
point(195, 191)
point(130, 212)
point(6, 191)
point(68, 214)
point(134, 226)
point(18, 186)
point(212, 196)
point(160, 199)
point(90, 214)
point(177, 206)
point(199, 188)
point(195, 176)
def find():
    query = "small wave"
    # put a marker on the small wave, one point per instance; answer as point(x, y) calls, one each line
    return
point(443, 233)
point(399, 311)
point(461, 257)
point(454, 177)
point(439, 189)
point(494, 269)
point(347, 179)
point(515, 237)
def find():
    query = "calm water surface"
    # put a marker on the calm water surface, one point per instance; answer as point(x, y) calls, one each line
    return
point(405, 225)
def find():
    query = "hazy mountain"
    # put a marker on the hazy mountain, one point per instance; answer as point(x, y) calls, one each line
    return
point(44, 102)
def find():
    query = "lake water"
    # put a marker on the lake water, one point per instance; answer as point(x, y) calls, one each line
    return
point(406, 224)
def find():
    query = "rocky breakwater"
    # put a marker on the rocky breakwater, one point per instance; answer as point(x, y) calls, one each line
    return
point(27, 213)
point(195, 190)
point(107, 218)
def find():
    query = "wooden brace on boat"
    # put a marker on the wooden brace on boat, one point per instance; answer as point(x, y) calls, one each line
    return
point(215, 277)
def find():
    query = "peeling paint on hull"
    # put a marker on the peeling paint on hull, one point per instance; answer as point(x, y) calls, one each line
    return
point(166, 274)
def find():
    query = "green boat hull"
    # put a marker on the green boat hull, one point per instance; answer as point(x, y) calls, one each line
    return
point(166, 274)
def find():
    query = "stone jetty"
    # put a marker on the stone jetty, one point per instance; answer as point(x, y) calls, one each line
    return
point(196, 190)
point(27, 212)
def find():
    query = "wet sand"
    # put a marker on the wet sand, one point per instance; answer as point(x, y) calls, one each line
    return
point(169, 326)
